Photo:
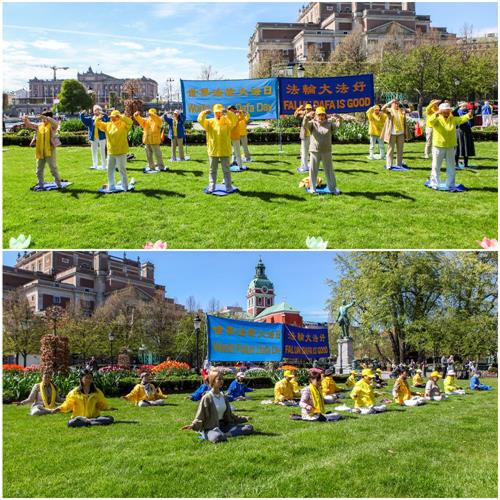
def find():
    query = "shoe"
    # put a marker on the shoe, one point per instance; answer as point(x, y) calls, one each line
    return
point(336, 191)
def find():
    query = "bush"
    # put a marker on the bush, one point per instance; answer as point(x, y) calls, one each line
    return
point(73, 125)
point(25, 132)
point(188, 125)
point(135, 136)
point(8, 396)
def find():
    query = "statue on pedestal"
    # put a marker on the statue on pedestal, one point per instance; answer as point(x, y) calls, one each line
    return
point(343, 318)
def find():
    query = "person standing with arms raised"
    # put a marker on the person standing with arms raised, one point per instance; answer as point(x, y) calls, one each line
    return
point(219, 145)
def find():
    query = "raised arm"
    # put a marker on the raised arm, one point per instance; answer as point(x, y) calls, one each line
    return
point(127, 121)
point(202, 119)
point(28, 124)
point(139, 119)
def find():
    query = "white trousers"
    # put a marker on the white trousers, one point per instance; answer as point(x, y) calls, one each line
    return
point(487, 120)
point(38, 410)
point(119, 161)
point(438, 155)
point(156, 402)
point(304, 151)
point(414, 401)
point(458, 392)
point(428, 142)
point(99, 144)
point(330, 398)
point(326, 159)
point(374, 139)
point(373, 409)
point(244, 143)
point(236, 152)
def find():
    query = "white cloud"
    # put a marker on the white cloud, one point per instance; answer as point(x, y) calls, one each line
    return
point(50, 45)
point(129, 45)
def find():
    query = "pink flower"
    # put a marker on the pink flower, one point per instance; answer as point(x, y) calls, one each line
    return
point(158, 245)
point(488, 244)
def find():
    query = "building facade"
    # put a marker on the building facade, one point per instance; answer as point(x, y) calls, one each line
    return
point(81, 279)
point(281, 313)
point(101, 84)
point(321, 26)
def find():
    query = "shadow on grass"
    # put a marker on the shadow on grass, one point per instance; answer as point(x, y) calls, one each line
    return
point(196, 173)
point(486, 189)
point(352, 161)
point(273, 162)
point(375, 196)
point(262, 433)
point(270, 196)
point(355, 171)
point(269, 170)
point(126, 422)
point(150, 193)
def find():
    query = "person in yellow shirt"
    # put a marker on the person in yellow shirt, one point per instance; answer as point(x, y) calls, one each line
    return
point(429, 111)
point(363, 395)
point(402, 394)
point(418, 381)
point(151, 137)
point(85, 403)
point(449, 385)
point(242, 126)
point(376, 121)
point(395, 132)
point(444, 140)
point(329, 387)
point(295, 385)
point(352, 379)
point(305, 135)
point(235, 139)
point(218, 131)
point(146, 393)
point(117, 139)
point(45, 146)
point(284, 393)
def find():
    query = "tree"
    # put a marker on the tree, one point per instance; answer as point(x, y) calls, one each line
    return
point(425, 302)
point(213, 305)
point(131, 88)
point(269, 61)
point(22, 328)
point(114, 100)
point(73, 97)
point(208, 73)
point(350, 56)
point(191, 304)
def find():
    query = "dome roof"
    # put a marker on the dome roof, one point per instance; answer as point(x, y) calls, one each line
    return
point(260, 279)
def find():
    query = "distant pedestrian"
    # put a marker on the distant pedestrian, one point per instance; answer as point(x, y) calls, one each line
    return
point(487, 114)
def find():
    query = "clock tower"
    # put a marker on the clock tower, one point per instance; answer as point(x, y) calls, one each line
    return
point(260, 294)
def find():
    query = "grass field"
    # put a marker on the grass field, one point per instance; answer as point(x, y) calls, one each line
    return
point(446, 449)
point(378, 208)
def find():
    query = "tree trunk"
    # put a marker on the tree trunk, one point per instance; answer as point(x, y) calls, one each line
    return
point(25, 360)
point(381, 355)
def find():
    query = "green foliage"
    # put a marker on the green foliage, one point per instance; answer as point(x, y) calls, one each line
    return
point(188, 125)
point(135, 136)
point(25, 132)
point(73, 125)
point(73, 97)
point(352, 132)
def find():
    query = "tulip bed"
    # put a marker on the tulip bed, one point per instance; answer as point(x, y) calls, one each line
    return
point(446, 449)
point(378, 208)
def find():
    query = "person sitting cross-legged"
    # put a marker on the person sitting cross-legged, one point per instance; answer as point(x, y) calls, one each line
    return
point(146, 393)
point(237, 388)
point(284, 393)
point(449, 385)
point(329, 387)
point(312, 401)
point(43, 396)
point(432, 391)
point(351, 379)
point(86, 403)
point(417, 379)
point(475, 383)
point(379, 382)
point(214, 419)
point(402, 393)
point(364, 395)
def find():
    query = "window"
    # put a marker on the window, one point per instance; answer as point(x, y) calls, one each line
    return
point(56, 300)
point(329, 7)
point(64, 260)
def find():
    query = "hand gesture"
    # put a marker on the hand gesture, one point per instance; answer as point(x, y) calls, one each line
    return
point(206, 111)
point(187, 427)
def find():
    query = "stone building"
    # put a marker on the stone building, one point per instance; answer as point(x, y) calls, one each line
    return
point(321, 26)
point(83, 279)
point(44, 91)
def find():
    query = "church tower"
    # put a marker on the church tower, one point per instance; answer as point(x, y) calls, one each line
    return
point(260, 294)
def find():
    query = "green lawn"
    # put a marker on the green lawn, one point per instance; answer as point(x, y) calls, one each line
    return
point(378, 208)
point(446, 449)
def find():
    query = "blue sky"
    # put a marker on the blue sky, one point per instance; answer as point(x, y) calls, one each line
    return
point(161, 40)
point(298, 277)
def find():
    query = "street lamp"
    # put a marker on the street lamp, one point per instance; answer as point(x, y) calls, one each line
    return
point(111, 338)
point(197, 324)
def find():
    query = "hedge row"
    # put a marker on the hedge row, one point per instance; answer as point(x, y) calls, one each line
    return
point(270, 137)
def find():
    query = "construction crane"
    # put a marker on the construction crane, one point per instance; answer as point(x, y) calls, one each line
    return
point(53, 68)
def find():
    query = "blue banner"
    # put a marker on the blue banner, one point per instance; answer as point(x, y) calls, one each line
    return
point(234, 340)
point(339, 94)
point(259, 97)
point(303, 343)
